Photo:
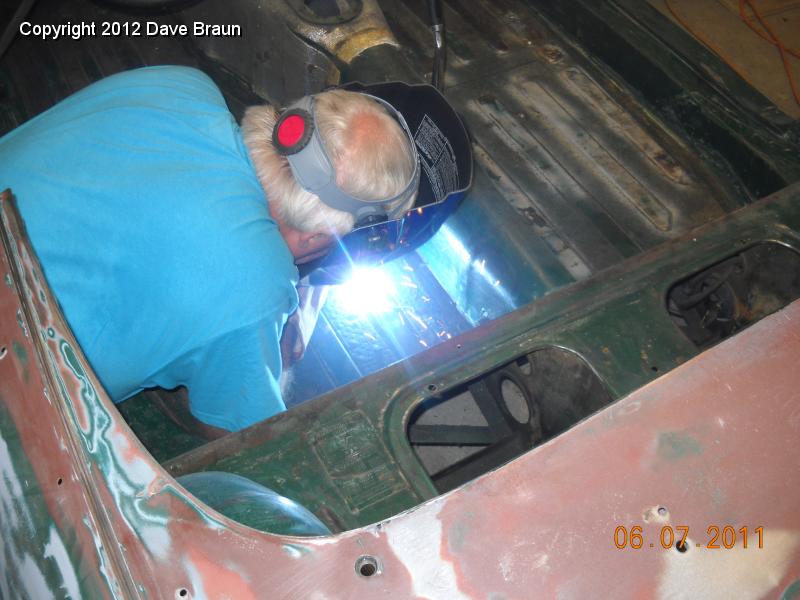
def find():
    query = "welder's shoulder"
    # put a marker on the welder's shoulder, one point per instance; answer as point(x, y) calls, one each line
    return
point(161, 84)
point(165, 75)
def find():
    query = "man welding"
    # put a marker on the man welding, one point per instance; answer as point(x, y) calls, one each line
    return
point(170, 236)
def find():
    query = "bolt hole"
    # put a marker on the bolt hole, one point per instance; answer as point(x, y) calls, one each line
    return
point(59, 481)
point(367, 566)
point(181, 593)
point(662, 511)
point(3, 352)
point(431, 387)
point(654, 369)
point(681, 547)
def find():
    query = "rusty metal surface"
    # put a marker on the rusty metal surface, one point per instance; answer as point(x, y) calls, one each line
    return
point(713, 442)
point(281, 54)
point(565, 144)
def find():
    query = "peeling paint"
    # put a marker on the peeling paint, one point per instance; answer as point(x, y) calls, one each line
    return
point(21, 322)
point(419, 550)
point(56, 550)
point(729, 573)
point(209, 579)
point(676, 445)
point(293, 551)
point(792, 592)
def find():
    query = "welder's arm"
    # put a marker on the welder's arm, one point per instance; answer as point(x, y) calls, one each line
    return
point(300, 325)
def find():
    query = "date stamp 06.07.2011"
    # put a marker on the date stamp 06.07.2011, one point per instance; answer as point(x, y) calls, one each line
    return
point(82, 29)
point(716, 537)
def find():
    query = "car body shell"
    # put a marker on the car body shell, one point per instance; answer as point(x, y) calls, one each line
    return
point(87, 512)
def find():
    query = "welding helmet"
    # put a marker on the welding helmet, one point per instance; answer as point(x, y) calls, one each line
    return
point(441, 176)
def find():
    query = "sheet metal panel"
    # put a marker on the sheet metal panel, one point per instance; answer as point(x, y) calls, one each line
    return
point(714, 442)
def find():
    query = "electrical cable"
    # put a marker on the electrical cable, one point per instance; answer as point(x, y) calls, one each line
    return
point(773, 39)
point(439, 44)
point(769, 37)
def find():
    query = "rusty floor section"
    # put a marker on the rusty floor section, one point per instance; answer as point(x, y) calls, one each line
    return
point(594, 174)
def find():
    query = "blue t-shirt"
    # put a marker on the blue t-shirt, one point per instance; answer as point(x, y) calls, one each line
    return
point(154, 233)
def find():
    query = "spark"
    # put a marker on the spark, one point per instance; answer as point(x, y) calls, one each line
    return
point(415, 317)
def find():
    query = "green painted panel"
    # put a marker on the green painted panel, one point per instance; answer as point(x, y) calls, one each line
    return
point(39, 559)
point(161, 436)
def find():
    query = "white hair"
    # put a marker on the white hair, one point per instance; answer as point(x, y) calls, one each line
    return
point(369, 166)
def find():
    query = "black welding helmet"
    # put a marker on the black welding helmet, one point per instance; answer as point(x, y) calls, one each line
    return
point(441, 177)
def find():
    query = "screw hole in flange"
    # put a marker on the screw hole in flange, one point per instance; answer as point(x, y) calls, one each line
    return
point(367, 566)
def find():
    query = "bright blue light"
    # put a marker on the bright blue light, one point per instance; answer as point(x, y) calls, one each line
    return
point(455, 244)
point(368, 291)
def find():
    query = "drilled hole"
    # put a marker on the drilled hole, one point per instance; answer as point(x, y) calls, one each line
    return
point(654, 369)
point(681, 547)
point(367, 566)
point(662, 511)
point(431, 387)
point(3, 352)
point(181, 593)
point(59, 481)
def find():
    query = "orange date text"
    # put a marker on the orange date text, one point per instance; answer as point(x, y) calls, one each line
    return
point(716, 537)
